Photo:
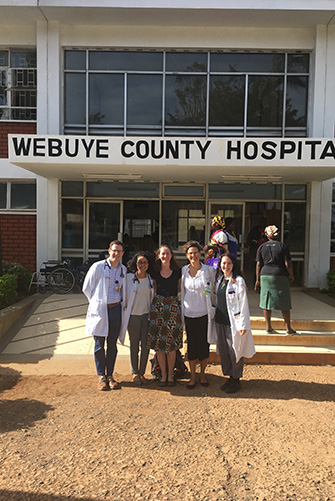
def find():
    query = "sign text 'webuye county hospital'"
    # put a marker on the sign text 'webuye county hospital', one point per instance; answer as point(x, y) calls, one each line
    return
point(170, 151)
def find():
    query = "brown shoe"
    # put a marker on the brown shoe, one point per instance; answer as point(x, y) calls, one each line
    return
point(102, 384)
point(114, 385)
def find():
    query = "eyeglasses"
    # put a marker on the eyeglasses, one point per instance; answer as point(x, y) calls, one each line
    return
point(117, 251)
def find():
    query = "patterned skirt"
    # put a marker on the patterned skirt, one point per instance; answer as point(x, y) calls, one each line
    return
point(165, 329)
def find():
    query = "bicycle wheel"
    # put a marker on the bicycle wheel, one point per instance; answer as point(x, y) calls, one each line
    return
point(61, 280)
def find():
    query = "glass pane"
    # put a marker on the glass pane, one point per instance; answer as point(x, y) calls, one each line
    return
point(3, 195)
point(24, 98)
point(332, 246)
point(75, 98)
point(265, 101)
point(72, 189)
point(226, 100)
point(295, 192)
point(104, 225)
point(183, 191)
point(296, 101)
point(72, 224)
point(23, 196)
point(23, 59)
point(245, 191)
point(75, 59)
point(140, 227)
point(245, 63)
point(126, 61)
point(139, 190)
point(144, 105)
point(185, 100)
point(298, 63)
point(106, 95)
point(3, 96)
point(332, 235)
point(186, 61)
point(181, 221)
point(294, 226)
point(3, 57)
point(333, 193)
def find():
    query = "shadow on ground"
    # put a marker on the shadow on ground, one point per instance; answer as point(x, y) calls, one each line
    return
point(21, 413)
point(286, 389)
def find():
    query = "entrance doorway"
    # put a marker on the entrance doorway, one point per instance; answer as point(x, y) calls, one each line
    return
point(104, 220)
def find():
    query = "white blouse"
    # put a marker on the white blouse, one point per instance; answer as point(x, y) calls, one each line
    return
point(142, 300)
point(195, 299)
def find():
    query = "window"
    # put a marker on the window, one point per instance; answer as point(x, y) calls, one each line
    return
point(185, 93)
point(332, 233)
point(17, 196)
point(17, 84)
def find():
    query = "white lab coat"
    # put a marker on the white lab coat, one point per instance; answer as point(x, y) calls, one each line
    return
point(131, 291)
point(207, 275)
point(95, 288)
point(239, 317)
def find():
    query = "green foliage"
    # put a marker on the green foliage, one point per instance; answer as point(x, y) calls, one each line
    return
point(13, 283)
point(331, 281)
point(8, 290)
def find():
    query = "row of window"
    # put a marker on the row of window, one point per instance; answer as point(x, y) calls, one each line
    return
point(17, 195)
point(178, 93)
point(18, 83)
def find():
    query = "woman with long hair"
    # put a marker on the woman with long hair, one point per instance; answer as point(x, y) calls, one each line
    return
point(234, 338)
point(165, 330)
point(140, 292)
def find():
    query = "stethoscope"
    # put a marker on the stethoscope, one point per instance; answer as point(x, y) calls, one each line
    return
point(135, 279)
point(110, 267)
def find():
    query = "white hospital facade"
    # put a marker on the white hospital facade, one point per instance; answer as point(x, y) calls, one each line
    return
point(144, 119)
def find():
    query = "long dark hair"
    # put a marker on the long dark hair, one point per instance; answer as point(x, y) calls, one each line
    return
point(236, 271)
point(132, 263)
point(158, 263)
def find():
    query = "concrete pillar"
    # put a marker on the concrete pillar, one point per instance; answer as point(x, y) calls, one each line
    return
point(48, 122)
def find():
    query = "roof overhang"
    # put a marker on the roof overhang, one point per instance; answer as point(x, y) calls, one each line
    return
point(179, 159)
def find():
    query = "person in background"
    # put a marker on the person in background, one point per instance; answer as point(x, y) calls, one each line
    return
point(197, 311)
point(229, 231)
point(232, 318)
point(165, 329)
point(139, 294)
point(104, 287)
point(218, 244)
point(256, 237)
point(274, 273)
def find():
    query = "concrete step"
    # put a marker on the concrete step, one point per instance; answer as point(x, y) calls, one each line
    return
point(258, 323)
point(287, 355)
point(303, 339)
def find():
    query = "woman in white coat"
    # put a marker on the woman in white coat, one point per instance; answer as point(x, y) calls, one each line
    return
point(234, 338)
point(197, 311)
point(140, 293)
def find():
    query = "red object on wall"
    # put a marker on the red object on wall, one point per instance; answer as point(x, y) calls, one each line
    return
point(13, 128)
point(18, 236)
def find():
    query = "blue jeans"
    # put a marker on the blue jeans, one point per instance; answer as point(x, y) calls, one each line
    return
point(105, 360)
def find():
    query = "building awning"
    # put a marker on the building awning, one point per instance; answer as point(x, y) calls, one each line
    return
point(180, 159)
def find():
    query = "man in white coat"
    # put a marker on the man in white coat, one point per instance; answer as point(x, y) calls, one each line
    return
point(104, 286)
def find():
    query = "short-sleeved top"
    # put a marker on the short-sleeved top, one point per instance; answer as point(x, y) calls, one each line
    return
point(167, 286)
point(272, 255)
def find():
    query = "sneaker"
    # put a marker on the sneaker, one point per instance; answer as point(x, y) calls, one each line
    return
point(114, 385)
point(102, 384)
point(234, 386)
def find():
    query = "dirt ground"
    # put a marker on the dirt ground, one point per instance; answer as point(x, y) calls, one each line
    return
point(62, 439)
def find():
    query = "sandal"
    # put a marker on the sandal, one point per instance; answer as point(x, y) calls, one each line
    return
point(271, 331)
point(292, 332)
